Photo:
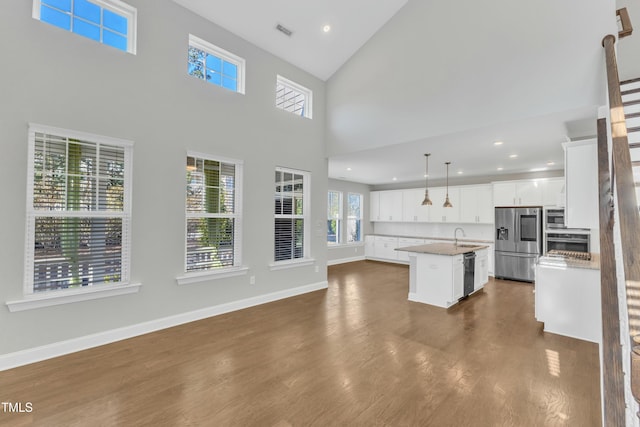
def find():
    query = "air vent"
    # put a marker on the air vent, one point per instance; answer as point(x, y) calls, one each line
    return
point(287, 32)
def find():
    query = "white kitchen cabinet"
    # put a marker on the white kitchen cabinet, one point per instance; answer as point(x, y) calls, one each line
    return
point(369, 246)
point(517, 193)
point(476, 204)
point(374, 206)
point(553, 192)
point(581, 175)
point(481, 272)
point(412, 209)
point(458, 278)
point(437, 213)
point(404, 242)
point(390, 205)
point(384, 248)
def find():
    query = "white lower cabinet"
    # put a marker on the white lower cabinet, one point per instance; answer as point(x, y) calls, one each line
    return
point(369, 246)
point(384, 248)
point(481, 271)
point(458, 277)
point(404, 242)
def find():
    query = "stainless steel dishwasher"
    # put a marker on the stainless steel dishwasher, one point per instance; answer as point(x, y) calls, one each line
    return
point(469, 272)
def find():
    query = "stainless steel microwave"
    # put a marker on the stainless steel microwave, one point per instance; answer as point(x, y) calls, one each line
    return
point(555, 218)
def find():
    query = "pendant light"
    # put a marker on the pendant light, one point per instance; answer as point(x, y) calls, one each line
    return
point(447, 203)
point(427, 200)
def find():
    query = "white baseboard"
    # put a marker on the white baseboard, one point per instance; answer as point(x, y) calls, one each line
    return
point(345, 260)
point(37, 354)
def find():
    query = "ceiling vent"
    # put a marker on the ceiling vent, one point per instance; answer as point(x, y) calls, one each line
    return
point(287, 32)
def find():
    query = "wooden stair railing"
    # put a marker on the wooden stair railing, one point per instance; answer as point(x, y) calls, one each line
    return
point(625, 22)
point(629, 221)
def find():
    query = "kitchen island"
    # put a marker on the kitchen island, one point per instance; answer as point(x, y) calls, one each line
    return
point(437, 272)
point(567, 296)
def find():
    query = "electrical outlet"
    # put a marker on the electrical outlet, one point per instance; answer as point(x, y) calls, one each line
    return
point(252, 280)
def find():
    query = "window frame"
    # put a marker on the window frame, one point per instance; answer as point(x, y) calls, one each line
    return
point(306, 259)
point(354, 217)
point(339, 218)
point(116, 6)
point(32, 213)
point(223, 54)
point(227, 271)
point(307, 112)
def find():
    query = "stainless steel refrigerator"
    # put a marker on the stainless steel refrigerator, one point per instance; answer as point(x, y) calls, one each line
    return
point(518, 242)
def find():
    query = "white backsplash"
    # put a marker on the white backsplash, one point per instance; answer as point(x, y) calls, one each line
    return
point(415, 229)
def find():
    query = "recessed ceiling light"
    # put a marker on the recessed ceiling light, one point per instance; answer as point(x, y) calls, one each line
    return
point(326, 28)
point(348, 169)
point(395, 179)
point(498, 143)
point(513, 156)
point(537, 169)
point(460, 172)
point(550, 163)
point(500, 168)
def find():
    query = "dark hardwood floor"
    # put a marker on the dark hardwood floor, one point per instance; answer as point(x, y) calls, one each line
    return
point(358, 354)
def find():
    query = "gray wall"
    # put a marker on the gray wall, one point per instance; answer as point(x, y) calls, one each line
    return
point(56, 78)
point(349, 252)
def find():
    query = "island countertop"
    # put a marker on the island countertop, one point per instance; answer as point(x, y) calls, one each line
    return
point(449, 249)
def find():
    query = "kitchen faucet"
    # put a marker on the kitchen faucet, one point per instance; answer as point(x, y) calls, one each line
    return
point(455, 234)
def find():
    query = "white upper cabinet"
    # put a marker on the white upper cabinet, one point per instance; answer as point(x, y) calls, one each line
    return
point(581, 174)
point(391, 205)
point(476, 204)
point(437, 213)
point(374, 206)
point(412, 209)
point(535, 192)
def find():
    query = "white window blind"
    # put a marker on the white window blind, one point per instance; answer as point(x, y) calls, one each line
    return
point(213, 214)
point(354, 218)
point(290, 222)
point(78, 210)
point(334, 217)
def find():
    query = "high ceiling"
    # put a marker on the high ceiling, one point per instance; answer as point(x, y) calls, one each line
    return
point(407, 77)
point(352, 23)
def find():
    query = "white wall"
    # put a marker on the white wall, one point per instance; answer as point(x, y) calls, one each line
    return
point(350, 252)
point(56, 78)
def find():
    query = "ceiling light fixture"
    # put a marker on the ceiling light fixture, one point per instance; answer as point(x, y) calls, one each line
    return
point(326, 28)
point(427, 200)
point(513, 156)
point(460, 172)
point(497, 143)
point(348, 169)
point(447, 203)
point(550, 163)
point(500, 168)
point(394, 178)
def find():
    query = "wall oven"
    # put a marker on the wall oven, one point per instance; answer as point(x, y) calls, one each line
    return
point(555, 218)
point(568, 241)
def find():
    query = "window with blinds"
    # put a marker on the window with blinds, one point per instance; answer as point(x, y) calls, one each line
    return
point(110, 22)
point(334, 218)
point(294, 98)
point(354, 218)
point(290, 222)
point(78, 210)
point(213, 214)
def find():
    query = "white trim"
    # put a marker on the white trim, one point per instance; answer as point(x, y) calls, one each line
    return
point(37, 354)
point(346, 260)
point(193, 277)
point(67, 296)
point(76, 134)
point(294, 263)
point(308, 94)
point(223, 54)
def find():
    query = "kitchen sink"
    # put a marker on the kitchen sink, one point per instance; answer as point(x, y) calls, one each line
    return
point(466, 246)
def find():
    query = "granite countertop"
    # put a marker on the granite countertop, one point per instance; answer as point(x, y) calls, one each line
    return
point(592, 264)
point(446, 239)
point(442, 249)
